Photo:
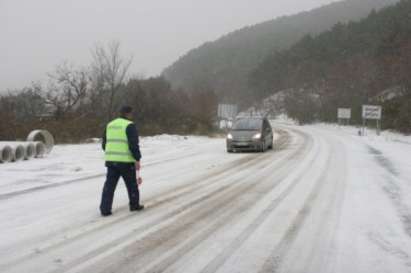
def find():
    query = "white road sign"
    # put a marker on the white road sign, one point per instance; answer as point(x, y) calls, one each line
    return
point(371, 112)
point(344, 113)
point(227, 111)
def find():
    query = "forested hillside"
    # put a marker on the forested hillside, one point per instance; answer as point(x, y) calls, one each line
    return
point(224, 65)
point(352, 64)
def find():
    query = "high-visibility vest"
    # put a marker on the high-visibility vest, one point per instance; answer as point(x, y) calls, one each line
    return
point(117, 149)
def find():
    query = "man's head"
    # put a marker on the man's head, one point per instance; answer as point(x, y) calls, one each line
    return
point(126, 112)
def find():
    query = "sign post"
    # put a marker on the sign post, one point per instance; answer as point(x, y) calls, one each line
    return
point(372, 112)
point(226, 114)
point(344, 114)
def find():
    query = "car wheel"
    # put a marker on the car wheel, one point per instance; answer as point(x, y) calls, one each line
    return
point(263, 148)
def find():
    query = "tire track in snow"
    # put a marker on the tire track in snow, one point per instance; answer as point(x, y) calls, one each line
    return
point(389, 247)
point(315, 250)
point(219, 260)
point(265, 186)
point(183, 191)
point(274, 262)
point(393, 191)
point(178, 192)
point(167, 239)
point(97, 223)
point(156, 201)
point(392, 187)
point(232, 185)
point(222, 190)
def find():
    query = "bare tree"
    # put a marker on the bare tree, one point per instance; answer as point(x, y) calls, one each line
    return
point(109, 73)
point(68, 88)
point(29, 103)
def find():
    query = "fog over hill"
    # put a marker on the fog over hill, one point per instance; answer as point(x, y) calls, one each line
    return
point(224, 65)
point(38, 35)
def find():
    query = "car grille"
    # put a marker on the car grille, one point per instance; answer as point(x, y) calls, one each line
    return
point(242, 139)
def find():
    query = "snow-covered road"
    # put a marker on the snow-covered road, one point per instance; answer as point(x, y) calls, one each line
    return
point(325, 200)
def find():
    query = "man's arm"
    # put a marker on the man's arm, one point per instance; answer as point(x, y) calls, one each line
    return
point(133, 142)
point(104, 141)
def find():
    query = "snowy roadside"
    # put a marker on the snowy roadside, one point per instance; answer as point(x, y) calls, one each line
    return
point(370, 134)
point(375, 215)
point(392, 151)
point(380, 167)
point(71, 162)
point(393, 148)
point(329, 199)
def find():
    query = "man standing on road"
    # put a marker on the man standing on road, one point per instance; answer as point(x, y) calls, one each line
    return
point(122, 155)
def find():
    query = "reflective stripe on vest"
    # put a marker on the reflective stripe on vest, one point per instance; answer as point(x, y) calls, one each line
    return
point(114, 140)
point(117, 149)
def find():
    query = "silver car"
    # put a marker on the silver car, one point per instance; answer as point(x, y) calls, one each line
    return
point(250, 134)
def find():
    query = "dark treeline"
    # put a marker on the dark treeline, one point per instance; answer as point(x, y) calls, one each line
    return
point(76, 103)
point(350, 65)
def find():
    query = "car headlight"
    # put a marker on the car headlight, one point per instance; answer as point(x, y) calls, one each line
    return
point(257, 136)
point(229, 136)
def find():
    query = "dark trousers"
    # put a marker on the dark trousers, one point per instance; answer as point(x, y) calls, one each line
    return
point(114, 172)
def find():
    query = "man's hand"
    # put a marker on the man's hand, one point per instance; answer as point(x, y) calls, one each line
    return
point(138, 165)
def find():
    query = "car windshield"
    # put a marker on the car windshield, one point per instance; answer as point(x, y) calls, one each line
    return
point(248, 124)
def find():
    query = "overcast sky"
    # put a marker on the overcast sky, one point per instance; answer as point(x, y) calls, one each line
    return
point(36, 35)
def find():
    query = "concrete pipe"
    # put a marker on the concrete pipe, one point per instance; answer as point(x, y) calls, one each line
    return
point(29, 149)
point(18, 151)
point(40, 148)
point(6, 153)
point(42, 136)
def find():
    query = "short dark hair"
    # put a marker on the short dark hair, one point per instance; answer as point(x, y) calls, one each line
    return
point(124, 110)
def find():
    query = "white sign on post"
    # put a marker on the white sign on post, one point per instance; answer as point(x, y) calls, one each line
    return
point(227, 111)
point(344, 113)
point(371, 112)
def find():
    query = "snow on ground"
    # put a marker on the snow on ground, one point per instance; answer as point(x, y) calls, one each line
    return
point(375, 224)
point(70, 162)
point(324, 200)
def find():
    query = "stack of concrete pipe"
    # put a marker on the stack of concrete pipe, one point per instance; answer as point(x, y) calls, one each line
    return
point(38, 144)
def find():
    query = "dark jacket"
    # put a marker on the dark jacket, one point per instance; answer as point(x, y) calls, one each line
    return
point(133, 143)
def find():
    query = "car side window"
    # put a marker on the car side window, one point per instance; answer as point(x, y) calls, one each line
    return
point(267, 125)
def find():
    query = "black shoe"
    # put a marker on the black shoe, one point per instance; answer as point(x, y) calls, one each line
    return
point(105, 214)
point(137, 208)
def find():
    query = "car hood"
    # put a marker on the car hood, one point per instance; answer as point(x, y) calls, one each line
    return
point(243, 135)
